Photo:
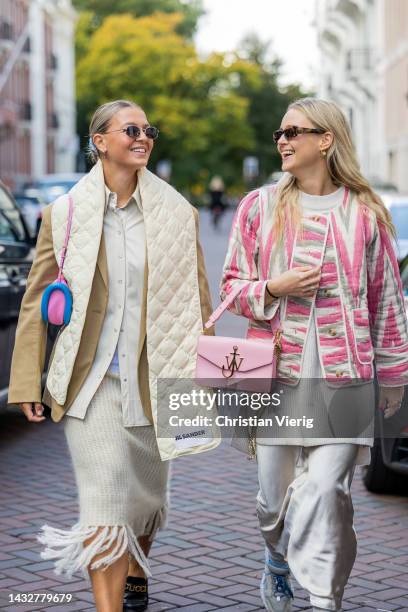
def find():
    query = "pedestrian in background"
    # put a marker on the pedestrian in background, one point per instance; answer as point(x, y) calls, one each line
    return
point(139, 299)
point(217, 202)
point(316, 253)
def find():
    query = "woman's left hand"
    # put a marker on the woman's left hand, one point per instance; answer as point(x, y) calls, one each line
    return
point(390, 400)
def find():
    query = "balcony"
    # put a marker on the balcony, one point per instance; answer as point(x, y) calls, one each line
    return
point(360, 61)
point(351, 8)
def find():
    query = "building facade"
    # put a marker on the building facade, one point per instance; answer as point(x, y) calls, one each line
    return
point(37, 89)
point(394, 69)
point(364, 67)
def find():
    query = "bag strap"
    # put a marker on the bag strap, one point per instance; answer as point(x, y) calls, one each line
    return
point(223, 307)
point(275, 322)
point(67, 235)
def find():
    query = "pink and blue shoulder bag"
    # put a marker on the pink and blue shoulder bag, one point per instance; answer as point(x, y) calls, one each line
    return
point(56, 301)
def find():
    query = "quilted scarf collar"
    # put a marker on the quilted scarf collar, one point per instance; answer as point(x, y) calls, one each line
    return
point(173, 321)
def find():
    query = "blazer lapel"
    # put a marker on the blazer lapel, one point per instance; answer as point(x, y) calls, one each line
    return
point(101, 261)
point(142, 334)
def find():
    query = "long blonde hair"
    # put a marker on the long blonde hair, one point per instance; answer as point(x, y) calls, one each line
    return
point(342, 165)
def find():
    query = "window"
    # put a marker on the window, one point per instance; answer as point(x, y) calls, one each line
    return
point(6, 30)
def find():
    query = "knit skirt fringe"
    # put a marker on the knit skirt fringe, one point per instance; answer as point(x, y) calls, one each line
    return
point(122, 487)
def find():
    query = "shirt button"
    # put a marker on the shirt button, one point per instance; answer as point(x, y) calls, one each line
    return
point(123, 355)
point(125, 380)
point(332, 332)
point(339, 373)
point(120, 282)
point(316, 218)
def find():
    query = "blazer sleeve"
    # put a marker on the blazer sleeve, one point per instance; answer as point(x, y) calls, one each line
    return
point(31, 334)
point(241, 264)
point(205, 295)
point(388, 319)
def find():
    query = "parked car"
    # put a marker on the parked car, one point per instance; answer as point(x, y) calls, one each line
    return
point(16, 255)
point(50, 186)
point(16, 258)
point(388, 470)
point(397, 204)
point(31, 208)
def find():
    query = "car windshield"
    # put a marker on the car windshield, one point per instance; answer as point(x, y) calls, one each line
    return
point(9, 211)
point(399, 216)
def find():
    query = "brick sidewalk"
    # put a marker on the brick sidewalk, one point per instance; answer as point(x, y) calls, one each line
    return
point(209, 558)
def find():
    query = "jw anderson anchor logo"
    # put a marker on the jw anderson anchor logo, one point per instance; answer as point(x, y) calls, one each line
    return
point(232, 364)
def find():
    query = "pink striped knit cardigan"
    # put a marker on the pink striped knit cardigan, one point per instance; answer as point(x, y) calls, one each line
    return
point(358, 308)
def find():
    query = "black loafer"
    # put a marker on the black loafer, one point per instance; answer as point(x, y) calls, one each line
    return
point(136, 597)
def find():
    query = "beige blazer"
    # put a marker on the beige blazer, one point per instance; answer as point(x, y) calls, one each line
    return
point(31, 335)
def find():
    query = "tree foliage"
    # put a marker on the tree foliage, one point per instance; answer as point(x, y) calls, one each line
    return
point(267, 102)
point(211, 112)
point(196, 104)
point(191, 11)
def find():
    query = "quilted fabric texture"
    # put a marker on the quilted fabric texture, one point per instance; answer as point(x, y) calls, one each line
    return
point(79, 269)
point(173, 322)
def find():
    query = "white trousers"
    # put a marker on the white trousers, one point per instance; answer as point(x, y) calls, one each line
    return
point(305, 514)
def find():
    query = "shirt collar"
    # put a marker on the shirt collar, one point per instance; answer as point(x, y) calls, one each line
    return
point(111, 199)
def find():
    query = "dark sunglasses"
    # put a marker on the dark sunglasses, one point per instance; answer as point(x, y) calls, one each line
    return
point(133, 131)
point(293, 131)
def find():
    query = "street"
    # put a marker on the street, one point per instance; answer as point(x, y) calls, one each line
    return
point(210, 557)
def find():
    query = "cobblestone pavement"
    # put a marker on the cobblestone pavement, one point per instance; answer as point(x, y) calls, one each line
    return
point(210, 556)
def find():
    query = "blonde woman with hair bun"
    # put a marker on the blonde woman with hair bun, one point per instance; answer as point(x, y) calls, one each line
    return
point(136, 271)
point(315, 254)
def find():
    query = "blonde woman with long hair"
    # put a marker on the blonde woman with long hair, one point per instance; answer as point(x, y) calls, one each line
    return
point(315, 253)
point(136, 271)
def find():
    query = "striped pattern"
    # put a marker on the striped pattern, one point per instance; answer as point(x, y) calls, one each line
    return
point(359, 306)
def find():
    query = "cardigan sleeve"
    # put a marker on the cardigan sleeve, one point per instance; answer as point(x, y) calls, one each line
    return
point(388, 319)
point(31, 336)
point(241, 264)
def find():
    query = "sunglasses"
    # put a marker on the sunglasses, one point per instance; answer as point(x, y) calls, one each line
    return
point(293, 131)
point(133, 131)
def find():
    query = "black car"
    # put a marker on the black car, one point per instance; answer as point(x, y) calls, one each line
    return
point(16, 256)
point(388, 470)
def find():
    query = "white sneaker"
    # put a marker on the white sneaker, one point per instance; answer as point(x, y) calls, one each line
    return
point(276, 588)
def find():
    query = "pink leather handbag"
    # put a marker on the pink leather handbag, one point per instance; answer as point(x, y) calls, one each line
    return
point(245, 365)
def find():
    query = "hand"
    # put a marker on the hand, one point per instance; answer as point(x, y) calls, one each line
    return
point(299, 282)
point(33, 411)
point(390, 400)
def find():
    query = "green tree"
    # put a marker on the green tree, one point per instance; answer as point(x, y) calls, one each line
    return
point(196, 104)
point(191, 10)
point(267, 100)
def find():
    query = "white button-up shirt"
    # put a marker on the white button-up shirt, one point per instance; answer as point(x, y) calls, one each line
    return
point(117, 349)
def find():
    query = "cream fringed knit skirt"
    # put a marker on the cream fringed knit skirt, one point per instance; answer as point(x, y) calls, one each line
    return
point(122, 487)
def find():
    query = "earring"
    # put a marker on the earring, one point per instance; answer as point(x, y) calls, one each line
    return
point(323, 152)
